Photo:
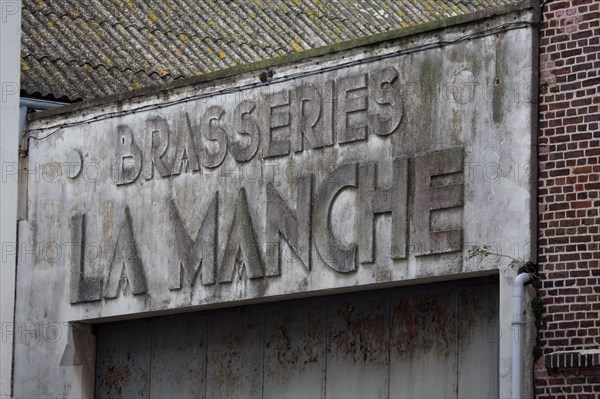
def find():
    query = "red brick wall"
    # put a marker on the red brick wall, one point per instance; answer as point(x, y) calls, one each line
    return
point(569, 200)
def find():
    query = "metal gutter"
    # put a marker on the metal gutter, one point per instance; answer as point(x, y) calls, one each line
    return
point(25, 104)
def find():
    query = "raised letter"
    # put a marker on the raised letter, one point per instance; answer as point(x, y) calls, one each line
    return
point(244, 124)
point(83, 289)
point(126, 264)
point(276, 121)
point(328, 113)
point(295, 228)
point(305, 110)
point(338, 257)
point(213, 132)
point(372, 200)
point(201, 251)
point(128, 157)
point(438, 186)
point(382, 85)
point(346, 106)
point(185, 148)
point(241, 242)
point(156, 143)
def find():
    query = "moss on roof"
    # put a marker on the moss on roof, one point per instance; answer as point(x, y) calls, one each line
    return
point(78, 50)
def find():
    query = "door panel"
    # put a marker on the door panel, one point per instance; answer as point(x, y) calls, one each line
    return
point(235, 354)
point(294, 351)
point(434, 341)
point(357, 348)
point(178, 363)
point(478, 341)
point(123, 368)
point(423, 345)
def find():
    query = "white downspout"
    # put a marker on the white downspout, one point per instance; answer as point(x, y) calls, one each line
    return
point(22, 120)
point(520, 281)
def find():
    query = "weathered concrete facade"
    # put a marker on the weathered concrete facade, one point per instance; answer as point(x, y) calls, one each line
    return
point(376, 167)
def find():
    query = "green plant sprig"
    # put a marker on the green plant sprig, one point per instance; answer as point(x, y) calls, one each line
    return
point(483, 251)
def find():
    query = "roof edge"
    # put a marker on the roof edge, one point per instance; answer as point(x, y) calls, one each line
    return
point(288, 58)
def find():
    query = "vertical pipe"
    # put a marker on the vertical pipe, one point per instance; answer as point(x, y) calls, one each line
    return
point(520, 281)
point(22, 118)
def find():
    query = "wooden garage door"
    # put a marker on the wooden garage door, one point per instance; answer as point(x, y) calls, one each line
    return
point(434, 341)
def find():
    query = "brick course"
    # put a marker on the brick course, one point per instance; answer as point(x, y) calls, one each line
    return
point(569, 200)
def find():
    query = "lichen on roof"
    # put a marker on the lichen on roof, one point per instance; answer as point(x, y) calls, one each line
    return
point(82, 49)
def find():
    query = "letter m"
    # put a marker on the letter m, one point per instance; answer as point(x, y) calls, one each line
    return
point(196, 253)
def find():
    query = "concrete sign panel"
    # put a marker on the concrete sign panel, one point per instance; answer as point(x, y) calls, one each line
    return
point(345, 176)
point(300, 186)
point(276, 226)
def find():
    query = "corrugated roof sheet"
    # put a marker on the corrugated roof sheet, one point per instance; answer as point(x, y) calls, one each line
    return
point(82, 49)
